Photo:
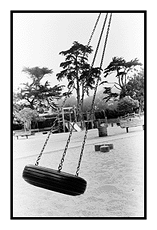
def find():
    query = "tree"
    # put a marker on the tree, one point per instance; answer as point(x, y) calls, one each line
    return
point(77, 71)
point(16, 105)
point(127, 105)
point(135, 88)
point(88, 81)
point(123, 70)
point(37, 94)
point(26, 116)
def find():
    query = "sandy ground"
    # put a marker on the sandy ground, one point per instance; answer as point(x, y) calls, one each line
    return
point(115, 180)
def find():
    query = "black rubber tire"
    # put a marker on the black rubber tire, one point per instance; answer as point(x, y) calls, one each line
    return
point(54, 180)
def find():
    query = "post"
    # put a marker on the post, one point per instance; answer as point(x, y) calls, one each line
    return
point(105, 116)
point(70, 114)
point(75, 112)
point(63, 120)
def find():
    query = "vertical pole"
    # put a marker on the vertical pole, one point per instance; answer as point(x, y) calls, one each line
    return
point(70, 119)
point(105, 116)
point(74, 112)
point(63, 120)
point(70, 115)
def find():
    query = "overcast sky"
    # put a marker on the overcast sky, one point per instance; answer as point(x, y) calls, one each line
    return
point(39, 37)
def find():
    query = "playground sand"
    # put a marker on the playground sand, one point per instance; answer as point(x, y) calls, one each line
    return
point(115, 180)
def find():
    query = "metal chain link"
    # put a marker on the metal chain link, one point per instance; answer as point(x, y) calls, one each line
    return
point(80, 103)
point(64, 153)
point(92, 106)
point(66, 147)
point(71, 131)
point(86, 132)
point(93, 30)
point(107, 33)
point(99, 41)
point(68, 141)
point(57, 117)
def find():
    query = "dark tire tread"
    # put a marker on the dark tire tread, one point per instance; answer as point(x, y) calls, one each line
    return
point(54, 180)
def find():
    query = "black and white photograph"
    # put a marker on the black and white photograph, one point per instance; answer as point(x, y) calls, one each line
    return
point(78, 129)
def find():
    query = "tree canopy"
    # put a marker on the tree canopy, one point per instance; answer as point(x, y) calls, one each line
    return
point(123, 70)
point(37, 94)
point(78, 72)
point(26, 116)
point(127, 105)
point(135, 88)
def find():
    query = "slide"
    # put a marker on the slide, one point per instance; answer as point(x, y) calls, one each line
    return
point(76, 127)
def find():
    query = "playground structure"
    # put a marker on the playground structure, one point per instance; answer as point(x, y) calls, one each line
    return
point(67, 117)
point(64, 119)
point(131, 120)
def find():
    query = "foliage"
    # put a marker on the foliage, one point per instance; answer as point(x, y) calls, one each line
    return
point(77, 71)
point(135, 88)
point(36, 94)
point(127, 105)
point(123, 70)
point(26, 116)
point(111, 113)
point(16, 105)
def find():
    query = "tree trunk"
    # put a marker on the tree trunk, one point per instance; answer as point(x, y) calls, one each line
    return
point(31, 104)
point(78, 101)
point(82, 98)
point(78, 93)
point(27, 125)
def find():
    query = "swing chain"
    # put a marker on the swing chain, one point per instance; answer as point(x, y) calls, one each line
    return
point(39, 157)
point(65, 150)
point(93, 30)
point(78, 111)
point(92, 106)
point(86, 132)
point(57, 117)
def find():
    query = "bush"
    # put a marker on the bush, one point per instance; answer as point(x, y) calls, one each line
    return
point(17, 126)
point(111, 113)
point(26, 116)
point(127, 105)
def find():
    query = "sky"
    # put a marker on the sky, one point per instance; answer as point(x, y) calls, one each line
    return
point(39, 37)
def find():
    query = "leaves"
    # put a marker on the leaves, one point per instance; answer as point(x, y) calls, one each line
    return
point(127, 104)
point(123, 71)
point(27, 114)
point(76, 49)
point(37, 93)
point(77, 71)
point(37, 73)
point(121, 66)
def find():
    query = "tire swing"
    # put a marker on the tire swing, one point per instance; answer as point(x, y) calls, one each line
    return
point(56, 180)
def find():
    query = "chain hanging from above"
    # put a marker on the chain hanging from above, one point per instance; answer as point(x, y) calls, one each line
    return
point(72, 127)
point(70, 134)
point(59, 111)
point(55, 180)
point(92, 106)
point(52, 127)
